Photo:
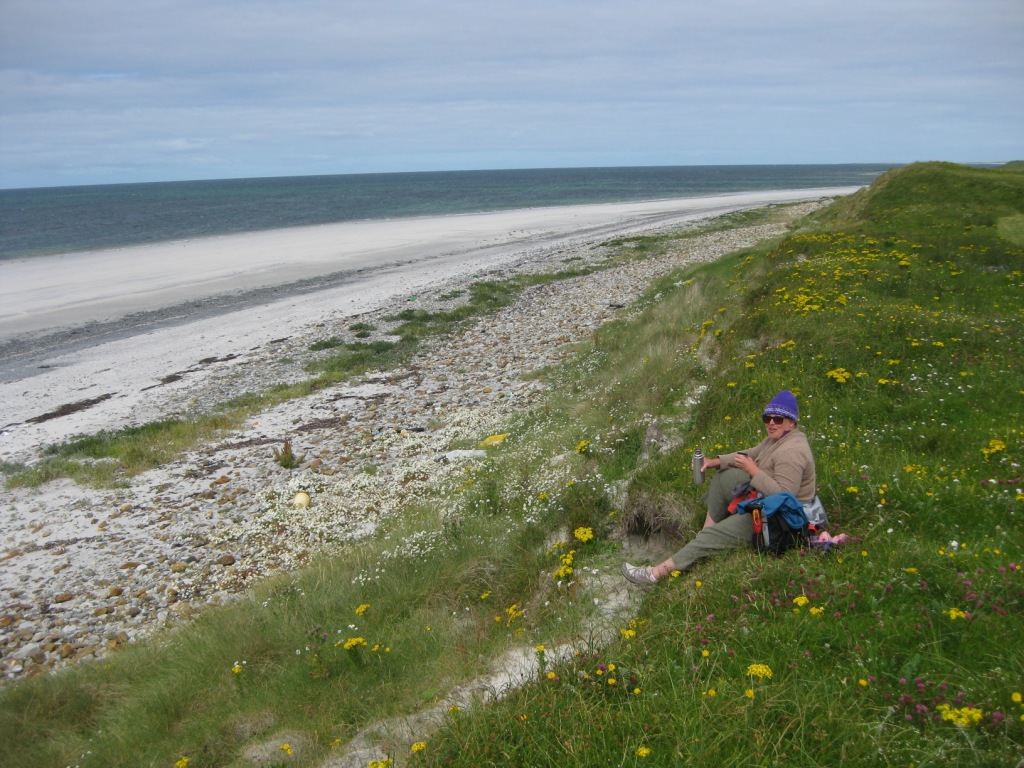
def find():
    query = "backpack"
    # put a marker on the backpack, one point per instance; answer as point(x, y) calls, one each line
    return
point(779, 523)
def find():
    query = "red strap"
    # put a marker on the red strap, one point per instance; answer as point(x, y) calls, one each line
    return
point(740, 499)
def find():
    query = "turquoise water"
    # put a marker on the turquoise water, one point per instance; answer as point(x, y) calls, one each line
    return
point(36, 222)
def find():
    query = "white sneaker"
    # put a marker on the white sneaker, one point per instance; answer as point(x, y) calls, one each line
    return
point(638, 574)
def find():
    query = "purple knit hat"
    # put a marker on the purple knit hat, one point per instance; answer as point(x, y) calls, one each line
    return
point(783, 404)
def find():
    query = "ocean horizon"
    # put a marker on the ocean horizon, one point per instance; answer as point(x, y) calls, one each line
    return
point(45, 221)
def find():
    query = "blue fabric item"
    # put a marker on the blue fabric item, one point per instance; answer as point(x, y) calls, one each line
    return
point(791, 508)
point(783, 404)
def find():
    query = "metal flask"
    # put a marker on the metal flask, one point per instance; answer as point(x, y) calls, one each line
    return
point(698, 464)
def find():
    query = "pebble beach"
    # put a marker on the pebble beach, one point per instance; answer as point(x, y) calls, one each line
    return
point(84, 571)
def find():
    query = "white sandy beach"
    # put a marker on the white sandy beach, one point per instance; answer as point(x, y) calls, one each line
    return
point(43, 293)
point(382, 261)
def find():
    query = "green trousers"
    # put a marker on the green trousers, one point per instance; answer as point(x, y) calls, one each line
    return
point(729, 531)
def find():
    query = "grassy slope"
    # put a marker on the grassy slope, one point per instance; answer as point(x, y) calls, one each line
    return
point(896, 317)
point(898, 321)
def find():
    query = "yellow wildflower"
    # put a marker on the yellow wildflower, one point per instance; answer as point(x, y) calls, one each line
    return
point(493, 440)
point(583, 533)
point(994, 446)
point(963, 716)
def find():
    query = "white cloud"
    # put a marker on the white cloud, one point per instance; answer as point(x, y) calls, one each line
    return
point(117, 91)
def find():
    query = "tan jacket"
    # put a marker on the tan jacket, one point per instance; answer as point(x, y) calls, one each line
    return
point(786, 464)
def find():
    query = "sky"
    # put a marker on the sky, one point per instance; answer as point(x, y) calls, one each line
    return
point(112, 91)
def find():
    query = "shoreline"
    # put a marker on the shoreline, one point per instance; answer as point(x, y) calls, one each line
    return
point(123, 352)
point(25, 348)
point(108, 284)
point(86, 571)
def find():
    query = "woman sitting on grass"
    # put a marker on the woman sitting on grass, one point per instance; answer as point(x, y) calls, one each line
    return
point(781, 462)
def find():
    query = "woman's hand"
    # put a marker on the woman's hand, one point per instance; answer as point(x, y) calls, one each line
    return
point(710, 463)
point(746, 463)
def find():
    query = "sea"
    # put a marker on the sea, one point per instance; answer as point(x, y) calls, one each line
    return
point(50, 220)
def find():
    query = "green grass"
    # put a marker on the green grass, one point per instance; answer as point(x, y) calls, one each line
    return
point(331, 343)
point(1011, 228)
point(107, 458)
point(911, 289)
point(641, 245)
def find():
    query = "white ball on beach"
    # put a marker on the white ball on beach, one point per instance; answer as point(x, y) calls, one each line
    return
point(301, 500)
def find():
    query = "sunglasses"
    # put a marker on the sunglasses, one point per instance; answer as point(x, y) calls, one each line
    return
point(773, 419)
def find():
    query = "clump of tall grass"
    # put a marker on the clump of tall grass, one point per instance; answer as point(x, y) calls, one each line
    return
point(110, 457)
